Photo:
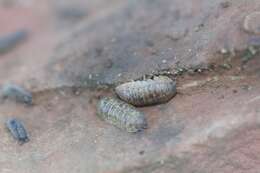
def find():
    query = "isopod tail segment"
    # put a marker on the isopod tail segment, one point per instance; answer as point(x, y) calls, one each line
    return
point(157, 90)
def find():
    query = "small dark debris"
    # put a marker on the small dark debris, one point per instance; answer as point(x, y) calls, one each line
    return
point(108, 63)
point(141, 152)
point(99, 51)
point(222, 97)
point(199, 27)
point(154, 52)
point(249, 53)
point(225, 4)
point(149, 43)
point(76, 91)
point(234, 91)
point(17, 130)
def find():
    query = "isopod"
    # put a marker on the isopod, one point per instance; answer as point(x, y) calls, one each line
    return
point(158, 90)
point(121, 115)
point(11, 40)
point(16, 93)
point(17, 130)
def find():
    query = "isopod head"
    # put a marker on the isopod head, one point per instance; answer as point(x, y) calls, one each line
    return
point(121, 115)
point(158, 90)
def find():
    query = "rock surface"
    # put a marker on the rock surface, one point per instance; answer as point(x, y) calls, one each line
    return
point(212, 125)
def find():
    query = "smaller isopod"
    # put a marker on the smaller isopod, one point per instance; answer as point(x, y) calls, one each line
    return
point(157, 90)
point(121, 115)
point(17, 93)
point(11, 40)
point(17, 129)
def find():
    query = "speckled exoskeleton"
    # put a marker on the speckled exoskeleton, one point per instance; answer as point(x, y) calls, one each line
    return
point(157, 90)
point(17, 130)
point(16, 93)
point(121, 115)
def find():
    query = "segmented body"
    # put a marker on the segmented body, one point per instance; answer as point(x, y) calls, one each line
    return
point(16, 93)
point(147, 92)
point(17, 130)
point(121, 115)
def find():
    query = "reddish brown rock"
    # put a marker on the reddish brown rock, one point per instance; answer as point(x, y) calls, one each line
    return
point(211, 126)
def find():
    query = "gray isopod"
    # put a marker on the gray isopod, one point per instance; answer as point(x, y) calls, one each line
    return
point(17, 130)
point(160, 89)
point(16, 93)
point(121, 115)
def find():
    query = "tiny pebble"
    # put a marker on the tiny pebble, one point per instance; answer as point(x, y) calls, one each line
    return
point(225, 4)
point(77, 93)
point(141, 152)
point(162, 162)
point(224, 51)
